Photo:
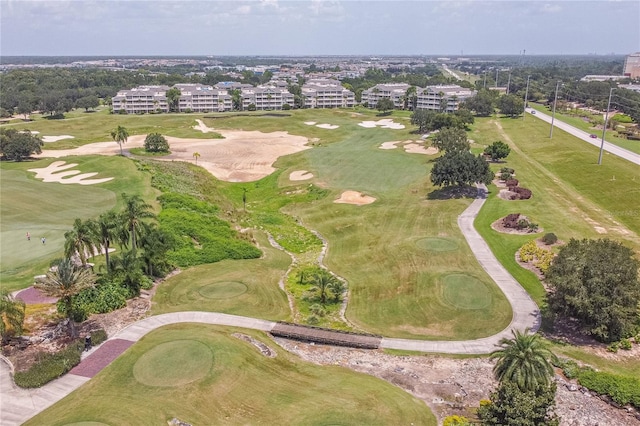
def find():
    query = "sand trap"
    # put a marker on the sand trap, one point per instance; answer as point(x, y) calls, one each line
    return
point(414, 148)
point(389, 145)
point(242, 156)
point(49, 139)
point(354, 197)
point(203, 127)
point(35, 132)
point(327, 126)
point(385, 123)
point(300, 175)
point(310, 123)
point(54, 173)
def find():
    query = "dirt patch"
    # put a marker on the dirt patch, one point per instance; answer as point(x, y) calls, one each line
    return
point(264, 349)
point(203, 127)
point(300, 175)
point(354, 197)
point(242, 156)
point(505, 194)
point(414, 148)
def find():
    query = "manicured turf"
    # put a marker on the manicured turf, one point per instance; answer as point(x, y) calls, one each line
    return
point(49, 209)
point(437, 244)
point(240, 287)
point(240, 386)
point(465, 292)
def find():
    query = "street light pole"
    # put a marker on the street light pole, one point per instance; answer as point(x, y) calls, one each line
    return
point(553, 116)
point(509, 82)
point(606, 118)
point(526, 98)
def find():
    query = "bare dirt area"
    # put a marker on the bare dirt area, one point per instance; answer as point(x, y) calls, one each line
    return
point(454, 386)
point(242, 156)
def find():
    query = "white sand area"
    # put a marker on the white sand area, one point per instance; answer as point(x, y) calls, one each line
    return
point(49, 139)
point(310, 123)
point(322, 126)
point(300, 175)
point(410, 146)
point(385, 123)
point(54, 173)
point(242, 156)
point(354, 197)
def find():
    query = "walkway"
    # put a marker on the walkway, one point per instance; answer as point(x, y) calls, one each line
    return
point(581, 134)
point(18, 405)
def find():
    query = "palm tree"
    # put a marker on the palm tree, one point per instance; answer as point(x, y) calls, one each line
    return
point(524, 360)
point(128, 268)
point(196, 155)
point(120, 135)
point(104, 231)
point(79, 240)
point(11, 315)
point(64, 281)
point(323, 282)
point(155, 243)
point(135, 209)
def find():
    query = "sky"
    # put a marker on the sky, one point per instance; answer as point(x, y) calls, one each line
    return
point(317, 27)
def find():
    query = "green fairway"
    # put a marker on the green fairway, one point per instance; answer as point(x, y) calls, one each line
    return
point(202, 375)
point(240, 287)
point(48, 210)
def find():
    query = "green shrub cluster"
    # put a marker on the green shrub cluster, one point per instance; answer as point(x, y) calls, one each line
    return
point(622, 390)
point(103, 298)
point(550, 238)
point(199, 235)
point(541, 258)
point(291, 236)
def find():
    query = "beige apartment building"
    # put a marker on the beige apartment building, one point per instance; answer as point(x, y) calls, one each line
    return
point(325, 93)
point(266, 97)
point(199, 98)
point(434, 97)
point(141, 100)
point(632, 66)
point(394, 91)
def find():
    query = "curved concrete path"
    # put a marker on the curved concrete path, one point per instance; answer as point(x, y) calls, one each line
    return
point(18, 405)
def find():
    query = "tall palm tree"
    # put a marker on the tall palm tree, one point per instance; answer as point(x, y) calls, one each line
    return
point(155, 243)
point(79, 240)
point(196, 155)
point(104, 231)
point(323, 282)
point(120, 135)
point(128, 267)
point(135, 209)
point(524, 360)
point(64, 281)
point(11, 315)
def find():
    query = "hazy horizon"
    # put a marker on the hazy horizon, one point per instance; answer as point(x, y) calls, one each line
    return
point(317, 28)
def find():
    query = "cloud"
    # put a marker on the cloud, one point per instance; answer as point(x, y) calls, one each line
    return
point(551, 8)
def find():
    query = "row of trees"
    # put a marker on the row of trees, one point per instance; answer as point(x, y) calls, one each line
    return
point(19, 145)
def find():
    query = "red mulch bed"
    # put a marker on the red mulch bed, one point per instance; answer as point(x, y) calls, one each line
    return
point(32, 296)
point(102, 357)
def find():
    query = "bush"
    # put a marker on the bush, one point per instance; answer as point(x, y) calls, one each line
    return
point(520, 193)
point(105, 297)
point(625, 344)
point(511, 183)
point(541, 258)
point(98, 337)
point(155, 142)
point(550, 238)
point(511, 221)
point(251, 107)
point(622, 390)
point(456, 421)
point(505, 176)
point(286, 107)
point(50, 366)
point(613, 347)
point(507, 170)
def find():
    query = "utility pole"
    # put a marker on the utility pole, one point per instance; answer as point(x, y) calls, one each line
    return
point(606, 118)
point(508, 82)
point(553, 116)
point(496, 77)
point(526, 98)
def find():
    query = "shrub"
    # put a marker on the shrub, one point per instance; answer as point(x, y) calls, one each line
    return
point(155, 142)
point(625, 344)
point(286, 107)
point(550, 238)
point(541, 258)
point(520, 193)
point(507, 170)
point(622, 390)
point(613, 347)
point(522, 224)
point(50, 366)
point(251, 107)
point(456, 421)
point(505, 176)
point(98, 337)
point(511, 183)
point(511, 220)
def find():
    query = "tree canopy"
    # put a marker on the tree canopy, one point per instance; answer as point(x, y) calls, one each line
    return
point(511, 105)
point(11, 315)
point(451, 139)
point(17, 146)
point(385, 105)
point(497, 150)
point(482, 103)
point(429, 120)
point(510, 406)
point(155, 142)
point(460, 168)
point(596, 282)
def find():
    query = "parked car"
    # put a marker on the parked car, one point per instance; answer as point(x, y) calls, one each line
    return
point(593, 136)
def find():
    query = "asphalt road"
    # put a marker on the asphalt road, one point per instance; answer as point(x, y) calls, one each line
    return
point(581, 134)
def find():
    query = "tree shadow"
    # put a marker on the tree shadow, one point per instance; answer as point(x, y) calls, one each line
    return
point(453, 192)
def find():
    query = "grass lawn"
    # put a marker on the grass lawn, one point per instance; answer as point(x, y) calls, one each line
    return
point(202, 375)
point(49, 209)
point(240, 287)
point(578, 122)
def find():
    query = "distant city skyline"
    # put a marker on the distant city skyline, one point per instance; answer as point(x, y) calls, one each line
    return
point(316, 27)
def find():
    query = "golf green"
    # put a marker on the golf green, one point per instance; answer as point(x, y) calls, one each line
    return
point(223, 290)
point(174, 363)
point(437, 244)
point(465, 292)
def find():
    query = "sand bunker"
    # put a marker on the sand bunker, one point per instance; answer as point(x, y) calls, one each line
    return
point(54, 173)
point(300, 175)
point(327, 126)
point(410, 146)
point(385, 123)
point(49, 139)
point(203, 127)
point(242, 156)
point(354, 197)
point(310, 123)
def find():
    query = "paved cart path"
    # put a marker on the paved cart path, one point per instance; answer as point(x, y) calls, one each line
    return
point(18, 405)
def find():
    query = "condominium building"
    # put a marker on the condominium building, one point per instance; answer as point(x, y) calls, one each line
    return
point(199, 98)
point(442, 98)
point(266, 97)
point(632, 65)
point(141, 100)
point(394, 91)
point(325, 93)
